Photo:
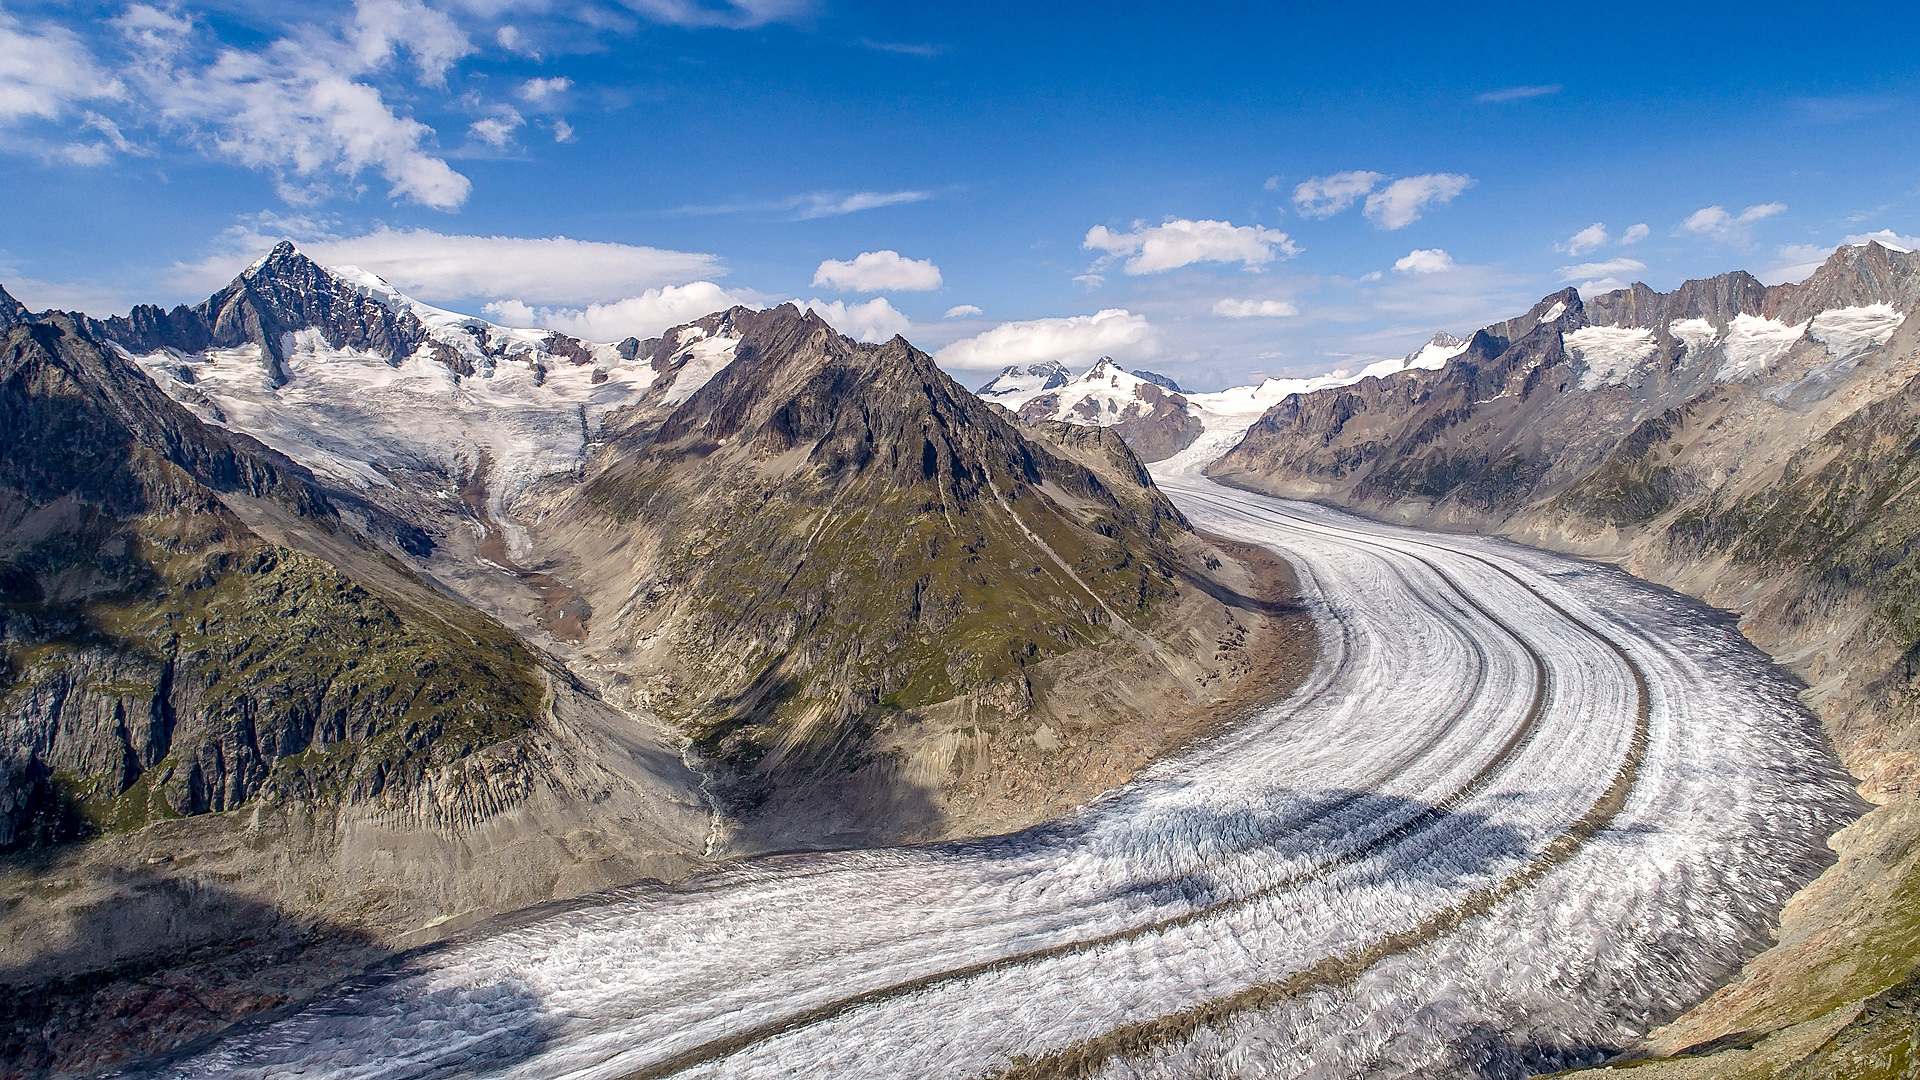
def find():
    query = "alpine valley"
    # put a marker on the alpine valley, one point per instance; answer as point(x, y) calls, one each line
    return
point(335, 624)
point(388, 691)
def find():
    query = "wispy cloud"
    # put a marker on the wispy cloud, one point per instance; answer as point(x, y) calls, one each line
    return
point(1730, 228)
point(904, 48)
point(1518, 93)
point(816, 204)
point(1400, 203)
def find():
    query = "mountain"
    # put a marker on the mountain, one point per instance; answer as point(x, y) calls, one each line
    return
point(241, 742)
point(637, 511)
point(1016, 385)
point(1159, 420)
point(1153, 419)
point(882, 607)
point(1157, 379)
point(1754, 446)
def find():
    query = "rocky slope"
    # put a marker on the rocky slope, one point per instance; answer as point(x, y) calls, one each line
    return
point(237, 734)
point(885, 609)
point(1754, 446)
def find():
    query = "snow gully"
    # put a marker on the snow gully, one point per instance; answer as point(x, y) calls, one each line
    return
point(1525, 808)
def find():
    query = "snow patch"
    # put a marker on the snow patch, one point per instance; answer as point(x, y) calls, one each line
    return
point(1695, 334)
point(1611, 353)
point(705, 357)
point(1754, 344)
point(1848, 332)
point(1558, 309)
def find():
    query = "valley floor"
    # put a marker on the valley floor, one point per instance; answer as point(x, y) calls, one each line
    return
point(1524, 809)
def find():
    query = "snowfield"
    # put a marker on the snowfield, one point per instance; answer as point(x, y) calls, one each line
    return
point(1524, 809)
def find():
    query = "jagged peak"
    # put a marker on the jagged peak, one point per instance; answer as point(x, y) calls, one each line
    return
point(12, 311)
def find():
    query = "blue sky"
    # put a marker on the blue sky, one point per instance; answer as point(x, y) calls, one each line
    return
point(1216, 191)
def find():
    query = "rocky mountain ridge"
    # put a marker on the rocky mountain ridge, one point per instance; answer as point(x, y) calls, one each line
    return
point(1754, 446)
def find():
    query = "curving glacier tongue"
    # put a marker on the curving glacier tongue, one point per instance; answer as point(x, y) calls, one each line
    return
point(1525, 808)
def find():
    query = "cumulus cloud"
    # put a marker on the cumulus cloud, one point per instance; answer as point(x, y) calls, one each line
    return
point(497, 130)
point(438, 266)
point(1424, 261)
point(875, 320)
point(1635, 234)
point(1325, 196)
point(1399, 204)
point(642, 316)
point(961, 311)
point(1592, 238)
point(878, 271)
point(1254, 309)
point(295, 108)
point(1730, 228)
point(1518, 93)
point(1178, 242)
point(540, 90)
point(1075, 340)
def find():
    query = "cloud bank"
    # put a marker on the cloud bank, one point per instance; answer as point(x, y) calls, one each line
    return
point(1076, 340)
point(1179, 242)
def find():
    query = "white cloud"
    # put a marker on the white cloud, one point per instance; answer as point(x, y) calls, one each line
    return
point(1592, 238)
point(875, 320)
point(642, 316)
point(383, 27)
point(1599, 277)
point(497, 131)
point(540, 90)
point(816, 204)
point(294, 109)
point(1424, 261)
point(1254, 309)
point(1179, 242)
point(562, 131)
point(1715, 221)
point(732, 14)
point(878, 271)
point(1399, 204)
point(1325, 196)
point(1518, 93)
point(1609, 268)
point(45, 71)
point(1075, 340)
point(1634, 234)
point(961, 311)
point(441, 267)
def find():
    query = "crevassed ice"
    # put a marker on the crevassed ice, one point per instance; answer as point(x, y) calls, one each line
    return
point(1847, 332)
point(1695, 334)
point(349, 413)
point(1753, 344)
point(1611, 353)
